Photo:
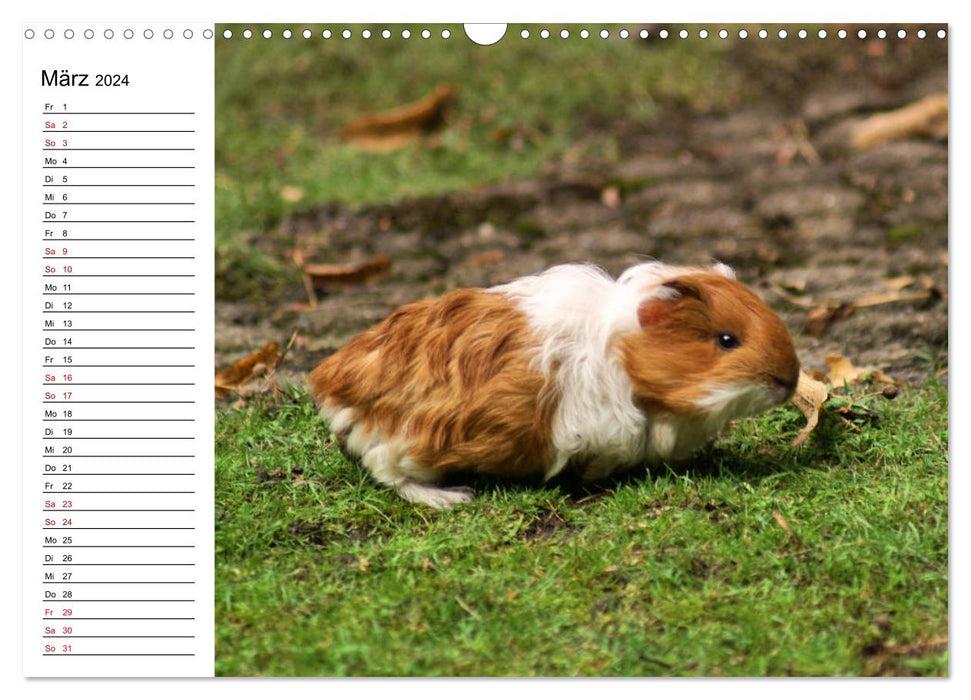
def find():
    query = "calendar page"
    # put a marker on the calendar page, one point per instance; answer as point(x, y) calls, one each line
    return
point(410, 350)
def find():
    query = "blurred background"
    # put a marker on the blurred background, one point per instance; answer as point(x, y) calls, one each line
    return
point(355, 175)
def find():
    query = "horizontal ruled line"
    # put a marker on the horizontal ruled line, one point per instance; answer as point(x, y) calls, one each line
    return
point(74, 401)
point(117, 330)
point(73, 564)
point(125, 221)
point(48, 240)
point(129, 347)
point(127, 185)
point(127, 456)
point(120, 618)
point(118, 636)
point(73, 365)
point(119, 167)
point(119, 546)
point(72, 527)
point(119, 383)
point(113, 114)
point(118, 131)
point(109, 204)
point(127, 600)
point(119, 420)
point(127, 473)
point(69, 654)
point(118, 149)
point(89, 492)
point(118, 294)
point(103, 583)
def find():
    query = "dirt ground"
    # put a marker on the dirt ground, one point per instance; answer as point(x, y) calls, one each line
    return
point(771, 188)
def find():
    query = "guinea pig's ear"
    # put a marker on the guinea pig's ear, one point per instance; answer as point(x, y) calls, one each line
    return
point(658, 306)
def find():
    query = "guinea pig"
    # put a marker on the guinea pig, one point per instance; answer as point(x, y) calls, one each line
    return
point(567, 368)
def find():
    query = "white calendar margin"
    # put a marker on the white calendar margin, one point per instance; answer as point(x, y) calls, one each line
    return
point(820, 11)
point(165, 73)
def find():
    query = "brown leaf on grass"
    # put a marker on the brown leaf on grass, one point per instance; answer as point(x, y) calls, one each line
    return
point(926, 117)
point(842, 371)
point(291, 193)
point(325, 275)
point(387, 131)
point(784, 524)
point(809, 398)
point(820, 319)
point(247, 369)
point(488, 257)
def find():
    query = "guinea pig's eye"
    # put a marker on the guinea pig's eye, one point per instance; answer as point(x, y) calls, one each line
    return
point(727, 341)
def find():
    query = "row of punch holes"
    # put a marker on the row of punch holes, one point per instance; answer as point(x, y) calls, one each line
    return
point(603, 33)
point(125, 33)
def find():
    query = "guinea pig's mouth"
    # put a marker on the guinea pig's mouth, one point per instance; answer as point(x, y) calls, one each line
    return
point(782, 389)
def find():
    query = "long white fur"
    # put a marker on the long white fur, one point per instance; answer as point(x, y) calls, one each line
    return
point(578, 310)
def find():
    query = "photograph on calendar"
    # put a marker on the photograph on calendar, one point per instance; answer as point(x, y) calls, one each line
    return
point(581, 350)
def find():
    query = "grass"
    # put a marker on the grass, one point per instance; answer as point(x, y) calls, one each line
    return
point(684, 571)
point(280, 104)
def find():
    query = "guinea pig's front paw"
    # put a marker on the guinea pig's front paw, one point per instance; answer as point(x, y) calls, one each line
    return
point(437, 497)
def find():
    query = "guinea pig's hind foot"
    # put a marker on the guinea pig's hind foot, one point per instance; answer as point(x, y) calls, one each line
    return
point(437, 497)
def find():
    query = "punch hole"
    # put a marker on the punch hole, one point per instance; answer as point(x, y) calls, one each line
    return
point(287, 34)
point(187, 34)
point(425, 34)
point(861, 34)
point(307, 34)
point(524, 34)
point(486, 34)
point(247, 34)
point(446, 34)
point(584, 34)
point(663, 33)
point(129, 34)
point(803, 33)
point(683, 34)
point(723, 34)
point(405, 33)
point(783, 34)
point(941, 34)
point(366, 34)
point(208, 34)
point(882, 34)
point(267, 34)
point(69, 34)
point(742, 34)
point(821, 34)
point(109, 34)
point(148, 34)
point(89, 34)
point(545, 34)
point(168, 34)
point(49, 34)
point(921, 34)
point(703, 34)
point(604, 33)
point(327, 34)
point(643, 34)
point(346, 33)
point(763, 34)
point(624, 33)
point(29, 34)
point(386, 34)
point(841, 33)
point(564, 34)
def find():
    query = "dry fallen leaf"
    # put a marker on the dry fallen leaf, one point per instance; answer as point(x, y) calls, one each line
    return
point(820, 319)
point(247, 369)
point(291, 193)
point(926, 117)
point(784, 524)
point(809, 399)
point(387, 131)
point(842, 371)
point(325, 275)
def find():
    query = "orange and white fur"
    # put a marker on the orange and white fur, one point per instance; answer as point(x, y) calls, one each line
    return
point(568, 368)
